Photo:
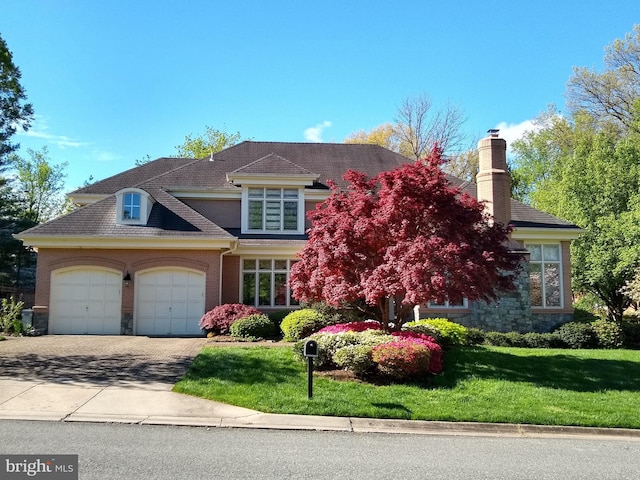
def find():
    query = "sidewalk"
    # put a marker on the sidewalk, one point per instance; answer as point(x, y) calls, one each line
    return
point(157, 405)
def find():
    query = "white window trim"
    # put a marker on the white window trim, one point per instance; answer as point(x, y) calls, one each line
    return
point(245, 211)
point(560, 273)
point(146, 203)
point(272, 304)
point(465, 305)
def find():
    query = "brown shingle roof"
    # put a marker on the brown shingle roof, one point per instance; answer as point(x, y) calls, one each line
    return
point(171, 217)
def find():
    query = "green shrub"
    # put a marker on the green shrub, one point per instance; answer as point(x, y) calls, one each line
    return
point(542, 340)
point(608, 333)
point(277, 317)
point(449, 333)
point(577, 335)
point(302, 323)
point(355, 358)
point(581, 315)
point(402, 360)
point(335, 315)
point(475, 336)
point(497, 339)
point(631, 331)
point(420, 326)
point(11, 315)
point(219, 319)
point(253, 327)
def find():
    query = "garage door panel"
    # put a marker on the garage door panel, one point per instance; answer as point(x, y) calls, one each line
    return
point(85, 301)
point(178, 300)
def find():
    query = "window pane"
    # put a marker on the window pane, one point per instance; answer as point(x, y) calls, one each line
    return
point(552, 285)
point(290, 215)
point(535, 280)
point(274, 193)
point(131, 206)
point(551, 253)
point(272, 220)
point(249, 264)
point(264, 264)
point(280, 264)
point(256, 192)
point(255, 215)
point(280, 289)
point(264, 289)
point(249, 289)
point(536, 252)
point(289, 193)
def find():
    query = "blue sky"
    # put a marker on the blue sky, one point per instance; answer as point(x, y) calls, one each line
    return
point(113, 81)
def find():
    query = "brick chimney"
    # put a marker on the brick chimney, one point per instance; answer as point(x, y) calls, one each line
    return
point(493, 179)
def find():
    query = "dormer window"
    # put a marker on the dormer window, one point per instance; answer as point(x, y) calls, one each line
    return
point(272, 210)
point(133, 206)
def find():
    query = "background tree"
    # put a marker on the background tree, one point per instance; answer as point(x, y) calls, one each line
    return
point(438, 244)
point(383, 135)
point(39, 185)
point(589, 175)
point(419, 127)
point(14, 112)
point(609, 96)
point(212, 141)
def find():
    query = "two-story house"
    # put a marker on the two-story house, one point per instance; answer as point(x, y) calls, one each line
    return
point(151, 249)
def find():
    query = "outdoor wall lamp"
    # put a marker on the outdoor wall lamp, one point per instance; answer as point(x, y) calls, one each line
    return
point(126, 280)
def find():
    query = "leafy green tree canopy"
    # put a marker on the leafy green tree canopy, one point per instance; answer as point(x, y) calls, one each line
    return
point(212, 141)
point(14, 112)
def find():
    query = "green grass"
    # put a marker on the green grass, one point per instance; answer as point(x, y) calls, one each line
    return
point(481, 384)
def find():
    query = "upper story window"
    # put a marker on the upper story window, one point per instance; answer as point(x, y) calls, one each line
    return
point(271, 210)
point(545, 274)
point(133, 206)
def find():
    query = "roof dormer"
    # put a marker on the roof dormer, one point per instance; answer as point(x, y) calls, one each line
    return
point(133, 206)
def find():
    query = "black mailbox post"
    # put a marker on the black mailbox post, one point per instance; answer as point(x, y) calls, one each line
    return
point(310, 351)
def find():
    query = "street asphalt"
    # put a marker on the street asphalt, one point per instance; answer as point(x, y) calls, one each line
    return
point(122, 379)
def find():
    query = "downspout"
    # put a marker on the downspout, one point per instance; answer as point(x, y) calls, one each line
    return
point(233, 248)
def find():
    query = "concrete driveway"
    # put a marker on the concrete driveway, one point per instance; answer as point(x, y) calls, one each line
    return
point(99, 360)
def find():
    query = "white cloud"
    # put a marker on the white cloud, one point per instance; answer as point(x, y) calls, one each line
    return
point(40, 130)
point(314, 134)
point(514, 131)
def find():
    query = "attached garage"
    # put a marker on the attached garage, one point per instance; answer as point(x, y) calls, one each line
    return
point(85, 300)
point(169, 301)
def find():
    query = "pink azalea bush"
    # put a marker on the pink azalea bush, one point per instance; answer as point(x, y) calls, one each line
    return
point(435, 362)
point(351, 327)
point(219, 319)
point(402, 359)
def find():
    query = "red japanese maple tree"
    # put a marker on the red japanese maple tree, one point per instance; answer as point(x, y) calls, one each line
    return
point(405, 235)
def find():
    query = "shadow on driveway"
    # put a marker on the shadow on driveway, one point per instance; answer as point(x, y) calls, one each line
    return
point(97, 359)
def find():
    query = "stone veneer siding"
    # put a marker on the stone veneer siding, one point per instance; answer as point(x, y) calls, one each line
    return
point(512, 313)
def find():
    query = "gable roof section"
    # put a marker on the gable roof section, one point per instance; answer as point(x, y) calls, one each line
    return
point(170, 222)
point(274, 168)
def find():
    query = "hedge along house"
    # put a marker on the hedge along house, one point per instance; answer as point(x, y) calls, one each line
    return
point(151, 249)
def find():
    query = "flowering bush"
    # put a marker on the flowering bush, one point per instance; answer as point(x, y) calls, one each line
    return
point(219, 319)
point(330, 343)
point(355, 358)
point(352, 327)
point(402, 359)
point(435, 363)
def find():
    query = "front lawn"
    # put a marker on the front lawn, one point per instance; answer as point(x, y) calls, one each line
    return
point(480, 384)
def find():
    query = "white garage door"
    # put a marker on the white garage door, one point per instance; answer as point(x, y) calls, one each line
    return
point(85, 301)
point(169, 302)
